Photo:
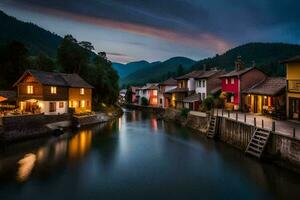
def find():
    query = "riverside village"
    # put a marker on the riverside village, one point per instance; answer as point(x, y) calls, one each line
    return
point(161, 104)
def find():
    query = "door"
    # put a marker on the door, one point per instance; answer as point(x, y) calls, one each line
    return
point(255, 104)
point(52, 107)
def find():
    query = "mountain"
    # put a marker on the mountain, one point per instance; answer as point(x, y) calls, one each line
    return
point(35, 38)
point(266, 56)
point(126, 69)
point(157, 71)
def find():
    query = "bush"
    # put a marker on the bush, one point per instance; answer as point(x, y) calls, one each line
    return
point(218, 102)
point(207, 104)
point(184, 112)
point(145, 101)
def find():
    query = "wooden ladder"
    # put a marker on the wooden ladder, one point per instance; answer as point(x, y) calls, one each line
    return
point(258, 142)
point(211, 132)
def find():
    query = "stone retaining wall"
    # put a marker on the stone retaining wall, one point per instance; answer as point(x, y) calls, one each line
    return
point(286, 149)
point(91, 119)
point(28, 126)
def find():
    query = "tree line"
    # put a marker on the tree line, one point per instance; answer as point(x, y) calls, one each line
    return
point(72, 57)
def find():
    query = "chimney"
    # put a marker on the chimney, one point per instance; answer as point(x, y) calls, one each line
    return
point(204, 67)
point(239, 65)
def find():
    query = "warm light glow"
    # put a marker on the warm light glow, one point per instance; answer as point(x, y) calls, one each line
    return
point(53, 90)
point(82, 91)
point(29, 89)
point(26, 165)
point(83, 104)
point(155, 92)
point(80, 144)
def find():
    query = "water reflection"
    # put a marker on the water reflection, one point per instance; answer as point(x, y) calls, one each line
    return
point(110, 160)
point(26, 165)
point(80, 144)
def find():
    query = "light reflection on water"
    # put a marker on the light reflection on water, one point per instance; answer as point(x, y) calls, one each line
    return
point(26, 165)
point(125, 159)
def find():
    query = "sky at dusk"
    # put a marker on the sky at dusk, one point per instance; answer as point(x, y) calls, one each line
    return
point(152, 30)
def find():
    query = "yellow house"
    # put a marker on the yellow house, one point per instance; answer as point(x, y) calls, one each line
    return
point(293, 87)
point(80, 93)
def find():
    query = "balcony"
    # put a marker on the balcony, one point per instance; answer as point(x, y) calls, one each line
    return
point(294, 86)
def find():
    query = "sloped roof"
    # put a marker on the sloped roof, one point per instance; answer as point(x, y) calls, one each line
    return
point(192, 98)
point(74, 80)
point(57, 79)
point(149, 86)
point(10, 95)
point(170, 81)
point(293, 59)
point(208, 74)
point(271, 86)
point(192, 74)
point(177, 90)
point(237, 72)
point(215, 90)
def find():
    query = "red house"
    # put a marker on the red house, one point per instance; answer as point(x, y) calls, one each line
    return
point(234, 82)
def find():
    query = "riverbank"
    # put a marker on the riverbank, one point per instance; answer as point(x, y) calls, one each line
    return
point(15, 128)
point(281, 149)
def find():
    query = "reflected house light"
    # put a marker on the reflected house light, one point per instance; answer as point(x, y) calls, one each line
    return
point(80, 144)
point(26, 165)
point(120, 123)
point(154, 124)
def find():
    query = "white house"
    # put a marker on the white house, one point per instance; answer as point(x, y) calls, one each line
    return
point(208, 83)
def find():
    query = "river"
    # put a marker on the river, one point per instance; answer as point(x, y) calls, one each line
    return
point(138, 157)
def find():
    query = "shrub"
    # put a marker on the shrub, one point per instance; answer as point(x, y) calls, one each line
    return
point(184, 112)
point(207, 103)
point(145, 101)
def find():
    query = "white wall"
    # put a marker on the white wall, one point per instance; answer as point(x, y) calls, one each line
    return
point(200, 89)
point(191, 84)
point(45, 105)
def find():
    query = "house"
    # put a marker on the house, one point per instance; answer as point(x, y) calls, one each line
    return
point(192, 102)
point(52, 93)
point(134, 94)
point(148, 92)
point(293, 87)
point(164, 99)
point(266, 97)
point(236, 81)
point(208, 82)
point(122, 96)
point(185, 87)
point(7, 100)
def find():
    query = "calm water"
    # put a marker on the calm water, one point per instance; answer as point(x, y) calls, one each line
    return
point(138, 157)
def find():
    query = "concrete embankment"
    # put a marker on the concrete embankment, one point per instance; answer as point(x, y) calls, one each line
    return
point(31, 126)
point(281, 149)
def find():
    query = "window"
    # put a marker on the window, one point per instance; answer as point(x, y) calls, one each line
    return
point(71, 104)
point(79, 104)
point(203, 83)
point(88, 103)
point(29, 89)
point(160, 100)
point(53, 90)
point(83, 104)
point(155, 92)
point(82, 91)
point(203, 96)
point(52, 107)
point(226, 81)
point(61, 104)
point(232, 80)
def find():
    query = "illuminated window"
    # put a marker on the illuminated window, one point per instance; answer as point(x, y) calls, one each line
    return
point(53, 90)
point(232, 99)
point(232, 80)
point(154, 92)
point(154, 100)
point(71, 104)
point(61, 104)
point(29, 89)
point(82, 104)
point(226, 81)
point(82, 91)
